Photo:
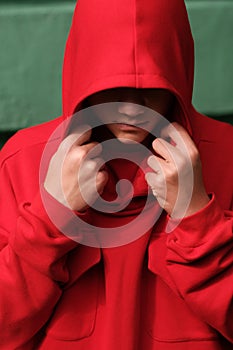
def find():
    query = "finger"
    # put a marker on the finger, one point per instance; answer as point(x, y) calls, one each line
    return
point(77, 138)
point(101, 180)
point(151, 179)
point(156, 164)
point(164, 149)
point(178, 135)
point(154, 184)
point(92, 149)
point(92, 166)
point(83, 135)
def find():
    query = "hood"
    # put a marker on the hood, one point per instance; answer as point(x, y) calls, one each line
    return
point(129, 43)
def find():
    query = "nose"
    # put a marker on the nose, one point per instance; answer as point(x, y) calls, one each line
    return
point(130, 109)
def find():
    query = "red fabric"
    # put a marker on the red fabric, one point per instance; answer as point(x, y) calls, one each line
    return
point(162, 291)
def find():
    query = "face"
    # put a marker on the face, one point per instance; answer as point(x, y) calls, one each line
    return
point(129, 120)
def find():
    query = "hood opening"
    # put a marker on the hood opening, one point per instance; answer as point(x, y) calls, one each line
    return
point(141, 44)
point(129, 43)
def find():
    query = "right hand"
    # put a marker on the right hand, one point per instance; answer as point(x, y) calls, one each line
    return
point(70, 175)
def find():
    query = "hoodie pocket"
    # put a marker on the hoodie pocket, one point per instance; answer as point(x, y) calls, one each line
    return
point(168, 318)
point(75, 315)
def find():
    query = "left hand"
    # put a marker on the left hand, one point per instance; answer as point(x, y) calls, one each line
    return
point(176, 180)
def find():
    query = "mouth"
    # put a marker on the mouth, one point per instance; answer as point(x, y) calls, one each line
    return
point(129, 125)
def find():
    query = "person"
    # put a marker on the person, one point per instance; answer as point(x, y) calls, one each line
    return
point(140, 285)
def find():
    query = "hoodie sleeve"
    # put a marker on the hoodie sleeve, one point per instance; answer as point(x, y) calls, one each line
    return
point(200, 262)
point(33, 257)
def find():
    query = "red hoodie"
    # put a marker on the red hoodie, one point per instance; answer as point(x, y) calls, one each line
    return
point(161, 291)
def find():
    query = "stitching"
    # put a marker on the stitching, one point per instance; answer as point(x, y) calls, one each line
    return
point(183, 340)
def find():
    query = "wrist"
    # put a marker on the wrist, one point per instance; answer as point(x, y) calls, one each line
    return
point(197, 203)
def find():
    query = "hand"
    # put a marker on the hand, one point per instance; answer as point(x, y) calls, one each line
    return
point(176, 180)
point(72, 175)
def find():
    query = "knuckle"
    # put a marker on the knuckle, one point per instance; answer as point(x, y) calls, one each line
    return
point(160, 181)
point(75, 155)
point(64, 146)
point(82, 153)
point(99, 161)
point(101, 177)
point(194, 154)
point(90, 165)
point(181, 164)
